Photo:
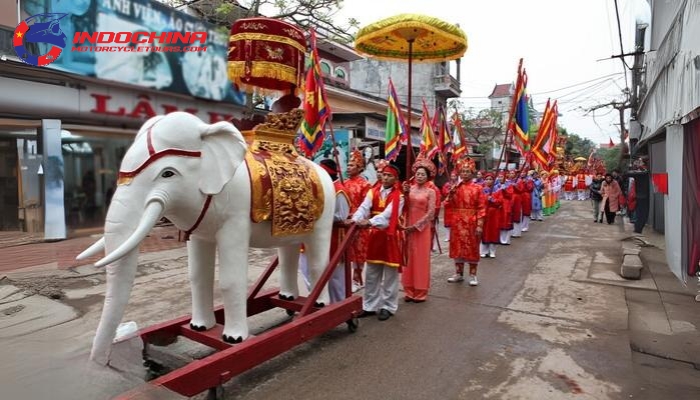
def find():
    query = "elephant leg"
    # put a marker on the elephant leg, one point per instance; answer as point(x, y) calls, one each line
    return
point(201, 259)
point(233, 281)
point(289, 265)
point(317, 254)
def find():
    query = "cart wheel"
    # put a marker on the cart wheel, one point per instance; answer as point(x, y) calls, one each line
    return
point(215, 393)
point(290, 313)
point(153, 369)
point(353, 324)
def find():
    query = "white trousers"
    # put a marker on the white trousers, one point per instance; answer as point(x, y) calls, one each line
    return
point(517, 229)
point(525, 225)
point(487, 249)
point(381, 288)
point(537, 215)
point(336, 285)
point(505, 236)
point(582, 194)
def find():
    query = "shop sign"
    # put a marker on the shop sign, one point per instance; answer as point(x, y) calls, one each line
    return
point(144, 107)
point(137, 42)
point(374, 129)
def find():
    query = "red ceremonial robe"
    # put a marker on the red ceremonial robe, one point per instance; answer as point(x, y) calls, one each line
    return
point(468, 204)
point(357, 188)
point(529, 186)
point(492, 222)
point(507, 209)
point(517, 207)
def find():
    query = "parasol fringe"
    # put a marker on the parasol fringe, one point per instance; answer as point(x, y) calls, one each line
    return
point(261, 69)
point(376, 39)
point(410, 21)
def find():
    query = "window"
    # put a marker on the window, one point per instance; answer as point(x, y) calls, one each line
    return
point(325, 67)
point(340, 73)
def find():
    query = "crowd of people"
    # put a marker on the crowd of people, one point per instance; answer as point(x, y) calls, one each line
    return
point(482, 210)
point(610, 194)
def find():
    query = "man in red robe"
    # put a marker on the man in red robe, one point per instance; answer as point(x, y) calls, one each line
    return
point(569, 186)
point(526, 197)
point(506, 190)
point(357, 187)
point(468, 204)
point(380, 212)
point(492, 222)
point(581, 186)
point(516, 202)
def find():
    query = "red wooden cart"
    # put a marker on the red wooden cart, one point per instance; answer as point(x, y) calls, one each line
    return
point(230, 360)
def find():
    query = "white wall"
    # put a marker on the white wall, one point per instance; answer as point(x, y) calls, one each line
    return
point(674, 200)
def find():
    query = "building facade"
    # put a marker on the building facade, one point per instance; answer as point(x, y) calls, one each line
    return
point(65, 127)
point(667, 129)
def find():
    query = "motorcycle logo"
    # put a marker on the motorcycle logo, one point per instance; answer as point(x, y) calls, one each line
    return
point(40, 28)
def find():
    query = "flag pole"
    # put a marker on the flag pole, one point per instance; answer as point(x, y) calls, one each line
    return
point(511, 112)
point(328, 121)
point(334, 152)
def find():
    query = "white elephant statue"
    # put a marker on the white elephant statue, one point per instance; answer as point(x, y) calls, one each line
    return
point(175, 166)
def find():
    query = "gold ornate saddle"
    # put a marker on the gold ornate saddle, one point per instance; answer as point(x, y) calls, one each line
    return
point(284, 189)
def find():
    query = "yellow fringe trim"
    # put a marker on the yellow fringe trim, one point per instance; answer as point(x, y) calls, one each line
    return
point(263, 69)
point(269, 38)
point(431, 24)
point(388, 264)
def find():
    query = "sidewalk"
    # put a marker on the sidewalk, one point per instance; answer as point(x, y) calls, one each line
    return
point(663, 318)
point(20, 251)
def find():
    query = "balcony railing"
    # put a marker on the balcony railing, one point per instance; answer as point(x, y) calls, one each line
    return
point(448, 84)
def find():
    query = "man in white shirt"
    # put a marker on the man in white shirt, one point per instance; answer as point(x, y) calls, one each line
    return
point(380, 212)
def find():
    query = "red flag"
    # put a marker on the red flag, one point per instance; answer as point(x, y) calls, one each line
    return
point(540, 147)
point(611, 144)
point(428, 144)
point(316, 110)
point(458, 138)
point(395, 125)
point(660, 182)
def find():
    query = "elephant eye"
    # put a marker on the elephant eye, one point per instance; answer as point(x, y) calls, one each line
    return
point(167, 174)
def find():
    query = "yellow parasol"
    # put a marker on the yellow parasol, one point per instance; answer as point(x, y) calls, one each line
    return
point(580, 159)
point(411, 37)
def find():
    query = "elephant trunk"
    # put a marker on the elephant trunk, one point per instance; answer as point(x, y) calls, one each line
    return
point(123, 234)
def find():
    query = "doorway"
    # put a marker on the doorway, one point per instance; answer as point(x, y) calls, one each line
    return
point(9, 188)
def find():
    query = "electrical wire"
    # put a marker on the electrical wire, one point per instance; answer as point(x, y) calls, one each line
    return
point(574, 85)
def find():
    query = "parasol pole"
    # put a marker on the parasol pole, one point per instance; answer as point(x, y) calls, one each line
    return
point(409, 151)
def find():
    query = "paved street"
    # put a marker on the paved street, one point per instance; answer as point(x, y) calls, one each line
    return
point(551, 319)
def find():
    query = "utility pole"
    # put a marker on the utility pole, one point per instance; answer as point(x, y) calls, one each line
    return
point(620, 107)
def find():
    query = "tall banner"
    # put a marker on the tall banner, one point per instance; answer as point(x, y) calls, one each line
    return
point(137, 42)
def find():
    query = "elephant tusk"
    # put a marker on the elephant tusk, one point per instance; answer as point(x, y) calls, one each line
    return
point(151, 215)
point(93, 250)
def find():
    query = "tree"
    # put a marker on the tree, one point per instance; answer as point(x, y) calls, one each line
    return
point(319, 14)
point(577, 146)
point(610, 156)
point(484, 126)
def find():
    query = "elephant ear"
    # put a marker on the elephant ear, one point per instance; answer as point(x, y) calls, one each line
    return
point(223, 150)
